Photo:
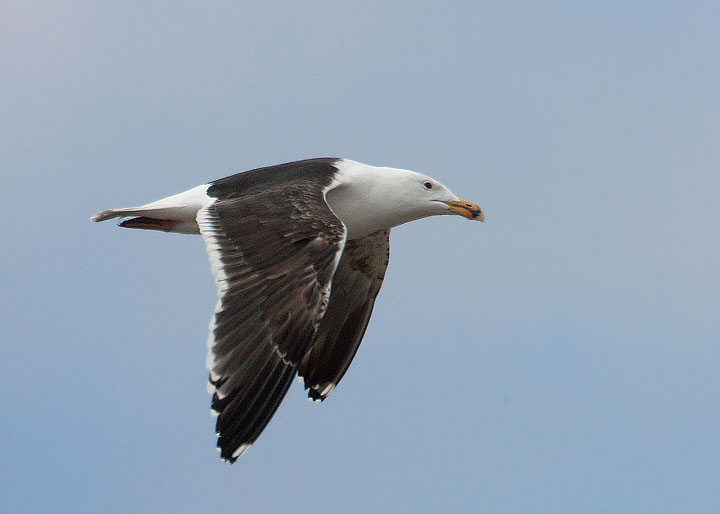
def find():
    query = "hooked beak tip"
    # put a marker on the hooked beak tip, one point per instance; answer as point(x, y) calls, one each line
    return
point(466, 209)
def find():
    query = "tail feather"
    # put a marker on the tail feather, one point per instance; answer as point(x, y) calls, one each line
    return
point(113, 213)
point(172, 214)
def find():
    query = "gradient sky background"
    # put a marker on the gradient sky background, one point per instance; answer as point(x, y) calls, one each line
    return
point(562, 357)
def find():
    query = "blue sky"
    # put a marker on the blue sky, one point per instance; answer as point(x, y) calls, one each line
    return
point(561, 357)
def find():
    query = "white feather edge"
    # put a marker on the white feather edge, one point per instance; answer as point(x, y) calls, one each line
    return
point(204, 221)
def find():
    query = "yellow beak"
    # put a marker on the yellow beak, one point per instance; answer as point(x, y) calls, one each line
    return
point(467, 209)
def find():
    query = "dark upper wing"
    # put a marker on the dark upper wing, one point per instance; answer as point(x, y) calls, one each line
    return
point(273, 254)
point(356, 284)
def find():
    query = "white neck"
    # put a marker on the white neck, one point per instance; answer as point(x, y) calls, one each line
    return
point(368, 198)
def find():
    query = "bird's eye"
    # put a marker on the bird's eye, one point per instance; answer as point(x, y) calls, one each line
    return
point(428, 185)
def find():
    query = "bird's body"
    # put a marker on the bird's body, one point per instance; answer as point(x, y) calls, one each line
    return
point(299, 252)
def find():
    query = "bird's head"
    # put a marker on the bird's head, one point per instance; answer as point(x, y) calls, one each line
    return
point(435, 198)
point(370, 198)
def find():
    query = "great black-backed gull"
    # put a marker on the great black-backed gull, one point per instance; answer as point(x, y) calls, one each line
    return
point(299, 252)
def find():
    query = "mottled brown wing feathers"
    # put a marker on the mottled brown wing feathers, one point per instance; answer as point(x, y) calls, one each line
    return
point(356, 284)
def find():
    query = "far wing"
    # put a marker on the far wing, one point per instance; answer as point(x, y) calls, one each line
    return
point(356, 284)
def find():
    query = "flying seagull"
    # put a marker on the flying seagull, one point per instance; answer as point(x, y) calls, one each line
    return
point(299, 252)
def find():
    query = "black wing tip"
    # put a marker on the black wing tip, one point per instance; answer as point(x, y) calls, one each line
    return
point(232, 455)
point(316, 396)
point(238, 430)
point(319, 392)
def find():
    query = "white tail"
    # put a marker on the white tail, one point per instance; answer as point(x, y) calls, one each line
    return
point(172, 214)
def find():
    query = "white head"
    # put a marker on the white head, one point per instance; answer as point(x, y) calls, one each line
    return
point(368, 198)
